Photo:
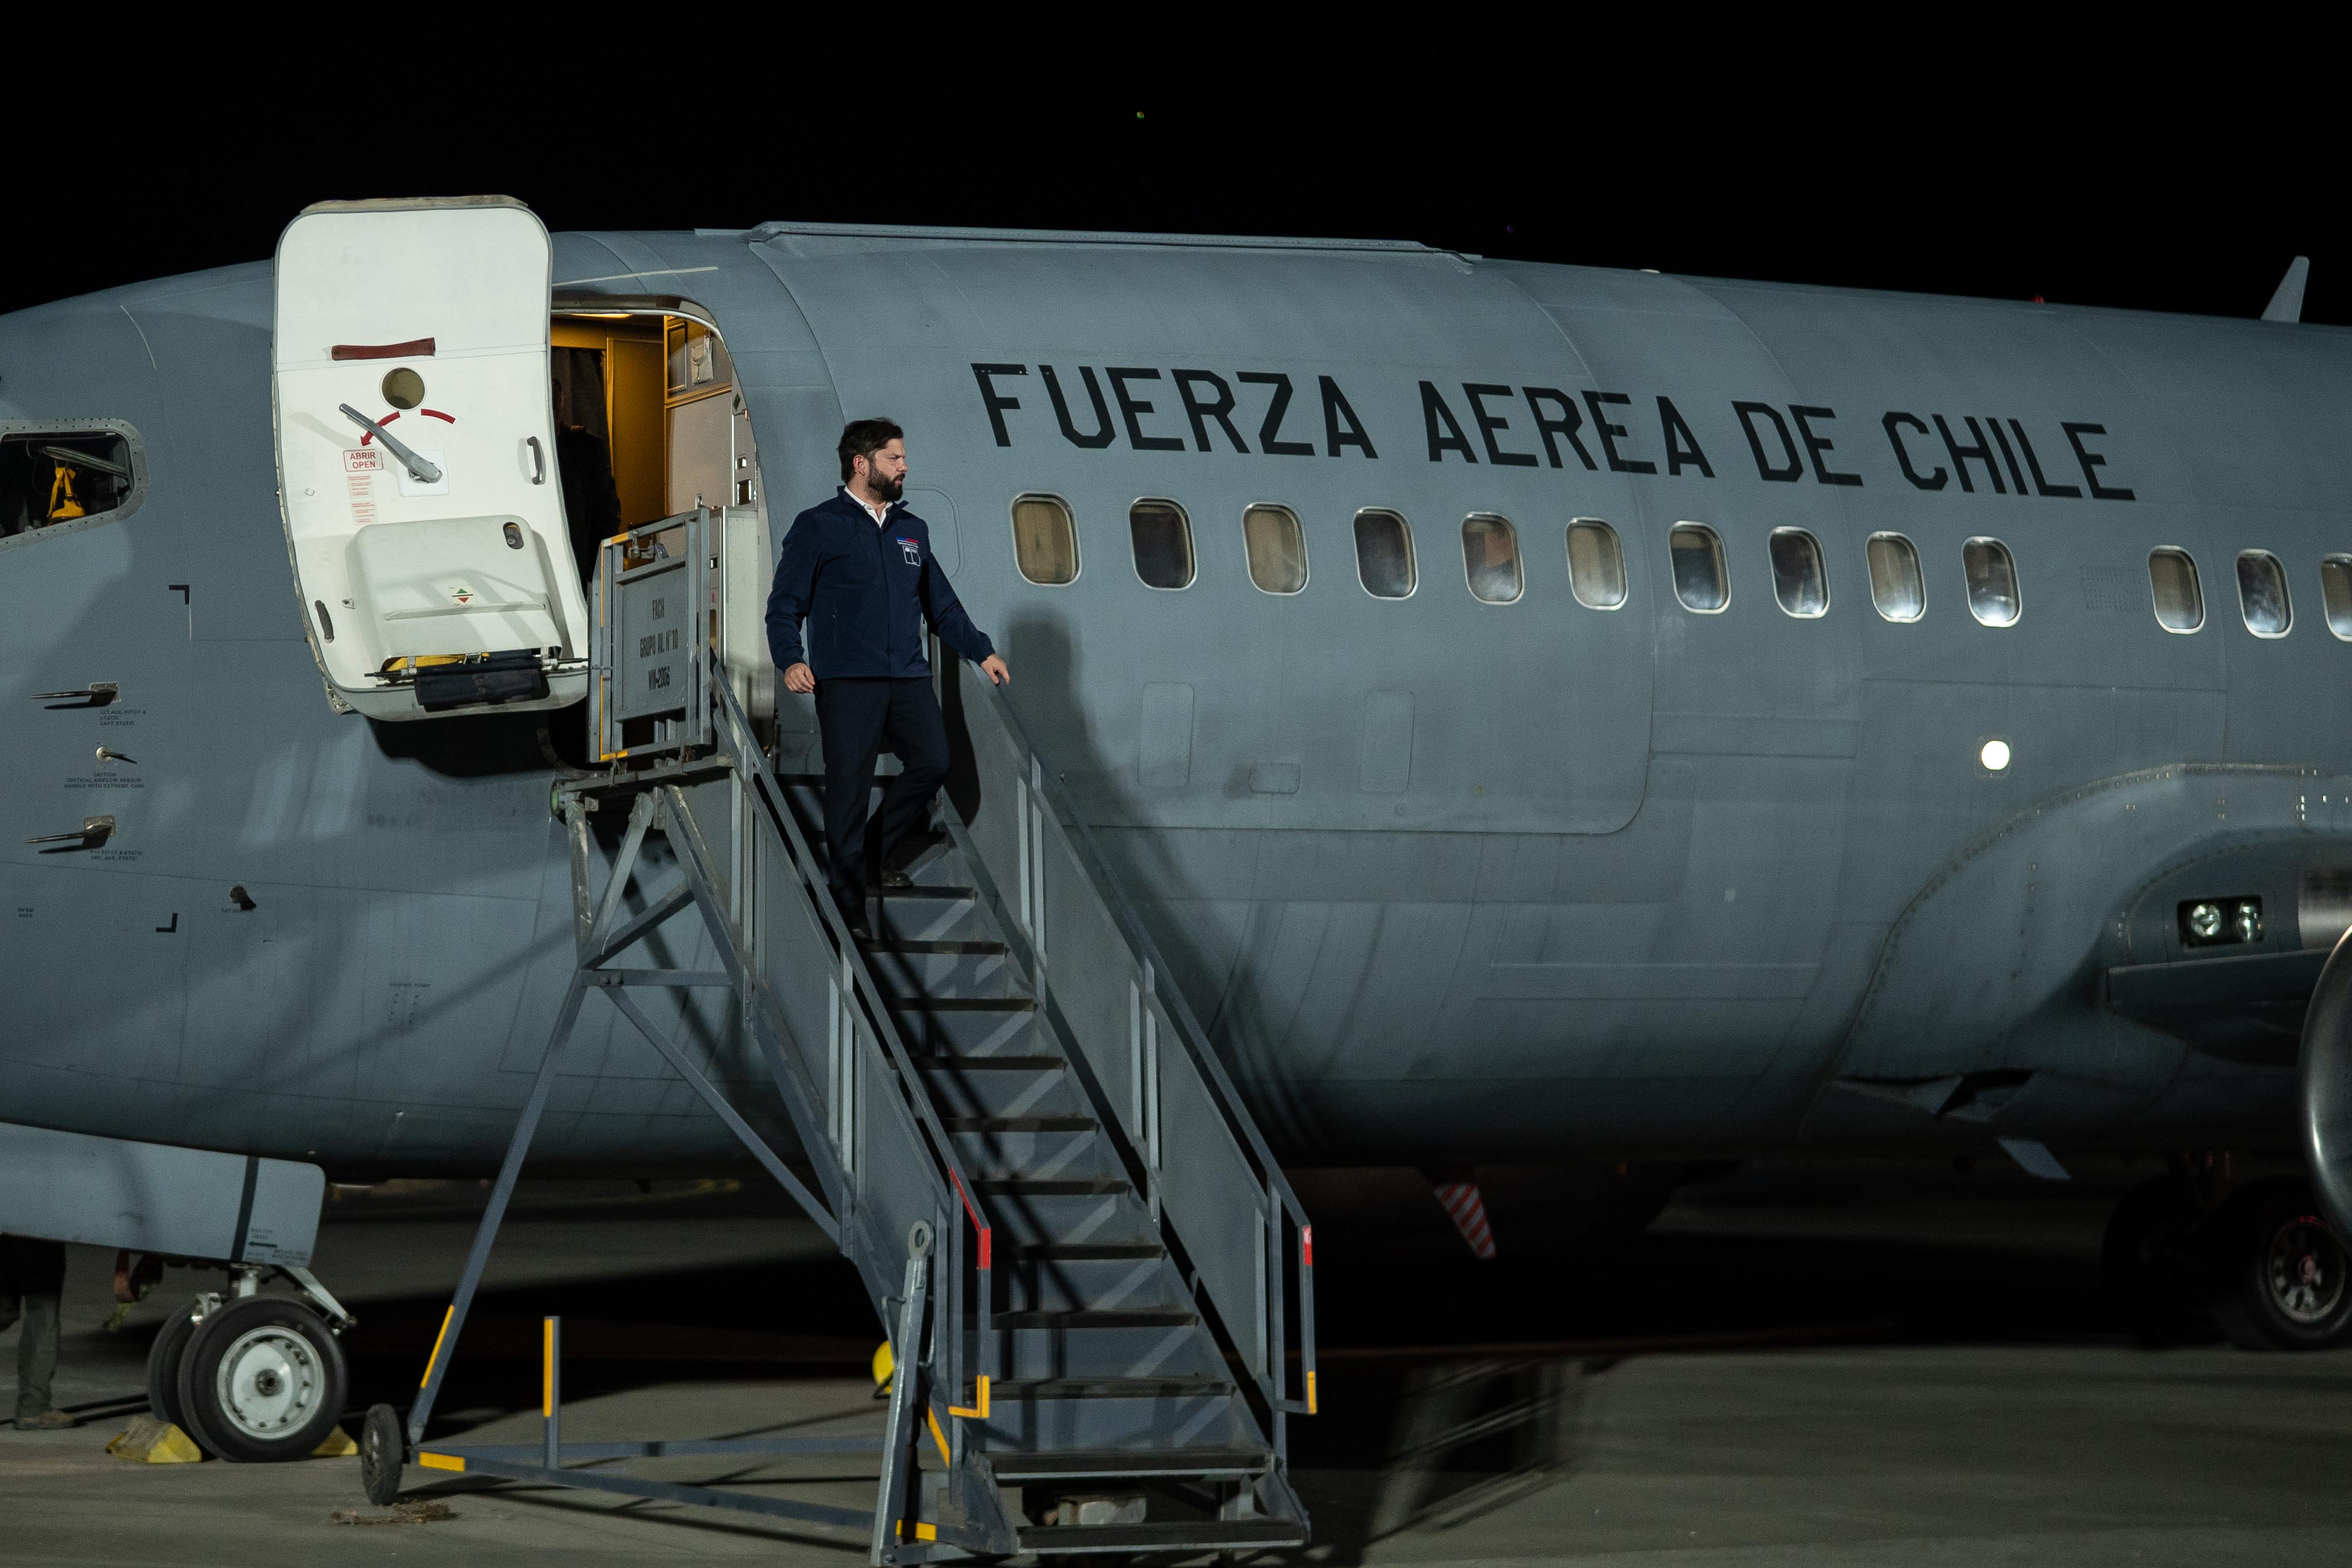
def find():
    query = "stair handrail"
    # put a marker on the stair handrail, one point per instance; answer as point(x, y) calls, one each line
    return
point(1074, 831)
point(751, 764)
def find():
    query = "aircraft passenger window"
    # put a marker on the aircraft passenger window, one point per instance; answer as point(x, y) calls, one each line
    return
point(1896, 586)
point(1277, 546)
point(1800, 581)
point(1045, 540)
point(1163, 543)
point(1384, 554)
point(1490, 558)
point(2336, 593)
point(2179, 602)
point(1992, 582)
point(1596, 564)
point(2262, 593)
point(1701, 581)
point(53, 476)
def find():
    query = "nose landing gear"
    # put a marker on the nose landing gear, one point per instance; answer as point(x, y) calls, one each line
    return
point(255, 1378)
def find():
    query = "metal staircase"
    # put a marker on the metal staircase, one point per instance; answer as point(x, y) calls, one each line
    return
point(1095, 1278)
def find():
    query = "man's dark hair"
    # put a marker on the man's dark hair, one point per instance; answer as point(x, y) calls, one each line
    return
point(863, 438)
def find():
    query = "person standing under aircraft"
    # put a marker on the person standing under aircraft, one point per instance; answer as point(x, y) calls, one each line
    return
point(32, 1280)
point(859, 570)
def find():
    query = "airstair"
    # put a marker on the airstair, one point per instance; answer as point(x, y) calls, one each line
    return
point(1096, 1284)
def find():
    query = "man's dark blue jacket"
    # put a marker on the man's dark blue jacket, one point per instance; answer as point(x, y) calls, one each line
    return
point(865, 592)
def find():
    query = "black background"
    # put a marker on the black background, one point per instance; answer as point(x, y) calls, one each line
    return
point(1979, 153)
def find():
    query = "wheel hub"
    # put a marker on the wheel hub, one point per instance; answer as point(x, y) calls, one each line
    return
point(2305, 1267)
point(270, 1382)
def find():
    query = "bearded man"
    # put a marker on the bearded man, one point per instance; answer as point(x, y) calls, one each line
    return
point(858, 570)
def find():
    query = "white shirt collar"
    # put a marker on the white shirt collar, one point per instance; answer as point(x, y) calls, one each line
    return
point(879, 514)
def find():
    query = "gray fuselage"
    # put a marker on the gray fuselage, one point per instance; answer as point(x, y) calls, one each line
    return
point(1445, 878)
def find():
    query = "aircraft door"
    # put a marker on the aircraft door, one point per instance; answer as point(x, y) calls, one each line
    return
point(416, 457)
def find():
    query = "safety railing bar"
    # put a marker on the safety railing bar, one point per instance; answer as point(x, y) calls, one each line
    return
point(1276, 1376)
point(1282, 1204)
point(815, 899)
point(695, 865)
point(816, 896)
point(801, 1097)
point(1066, 820)
point(1022, 954)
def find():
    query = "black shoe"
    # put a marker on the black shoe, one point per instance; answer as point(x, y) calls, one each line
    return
point(897, 882)
point(859, 930)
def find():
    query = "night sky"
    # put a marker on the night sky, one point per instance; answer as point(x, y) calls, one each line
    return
point(1987, 154)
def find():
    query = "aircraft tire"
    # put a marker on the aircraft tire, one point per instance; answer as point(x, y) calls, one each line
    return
point(382, 1446)
point(2282, 1279)
point(262, 1381)
point(164, 1359)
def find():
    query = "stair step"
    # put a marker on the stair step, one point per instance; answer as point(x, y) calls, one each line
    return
point(920, 892)
point(971, 1004)
point(1052, 1186)
point(988, 949)
point(941, 1061)
point(1023, 1392)
point(1089, 1251)
point(1019, 1123)
point(1206, 1535)
point(1076, 1462)
point(1098, 1318)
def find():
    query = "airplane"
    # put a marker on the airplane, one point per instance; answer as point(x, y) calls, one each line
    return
point(1536, 715)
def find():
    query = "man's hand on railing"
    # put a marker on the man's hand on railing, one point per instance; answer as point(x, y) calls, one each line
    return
point(993, 668)
point(800, 677)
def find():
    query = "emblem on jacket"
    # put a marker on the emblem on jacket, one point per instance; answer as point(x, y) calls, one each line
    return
point(911, 549)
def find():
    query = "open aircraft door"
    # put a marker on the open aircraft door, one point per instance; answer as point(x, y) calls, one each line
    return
point(416, 457)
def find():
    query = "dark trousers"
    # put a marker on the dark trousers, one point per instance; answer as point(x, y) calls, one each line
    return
point(856, 717)
point(32, 1277)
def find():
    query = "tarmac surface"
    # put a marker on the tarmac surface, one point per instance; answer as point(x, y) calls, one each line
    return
point(1864, 1366)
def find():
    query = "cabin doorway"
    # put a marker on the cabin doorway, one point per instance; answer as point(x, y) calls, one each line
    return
point(650, 421)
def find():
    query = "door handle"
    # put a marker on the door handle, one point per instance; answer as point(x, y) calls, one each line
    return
point(537, 461)
point(95, 831)
point(423, 472)
point(97, 694)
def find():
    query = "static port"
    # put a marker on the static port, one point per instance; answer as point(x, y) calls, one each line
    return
point(2215, 922)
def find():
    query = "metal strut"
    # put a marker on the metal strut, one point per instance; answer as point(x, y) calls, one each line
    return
point(604, 937)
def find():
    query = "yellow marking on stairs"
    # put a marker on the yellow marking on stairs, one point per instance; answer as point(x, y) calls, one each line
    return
point(980, 1410)
point(939, 1437)
point(441, 1461)
point(436, 1345)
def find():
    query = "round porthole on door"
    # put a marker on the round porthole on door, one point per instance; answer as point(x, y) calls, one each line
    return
point(403, 387)
point(514, 536)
